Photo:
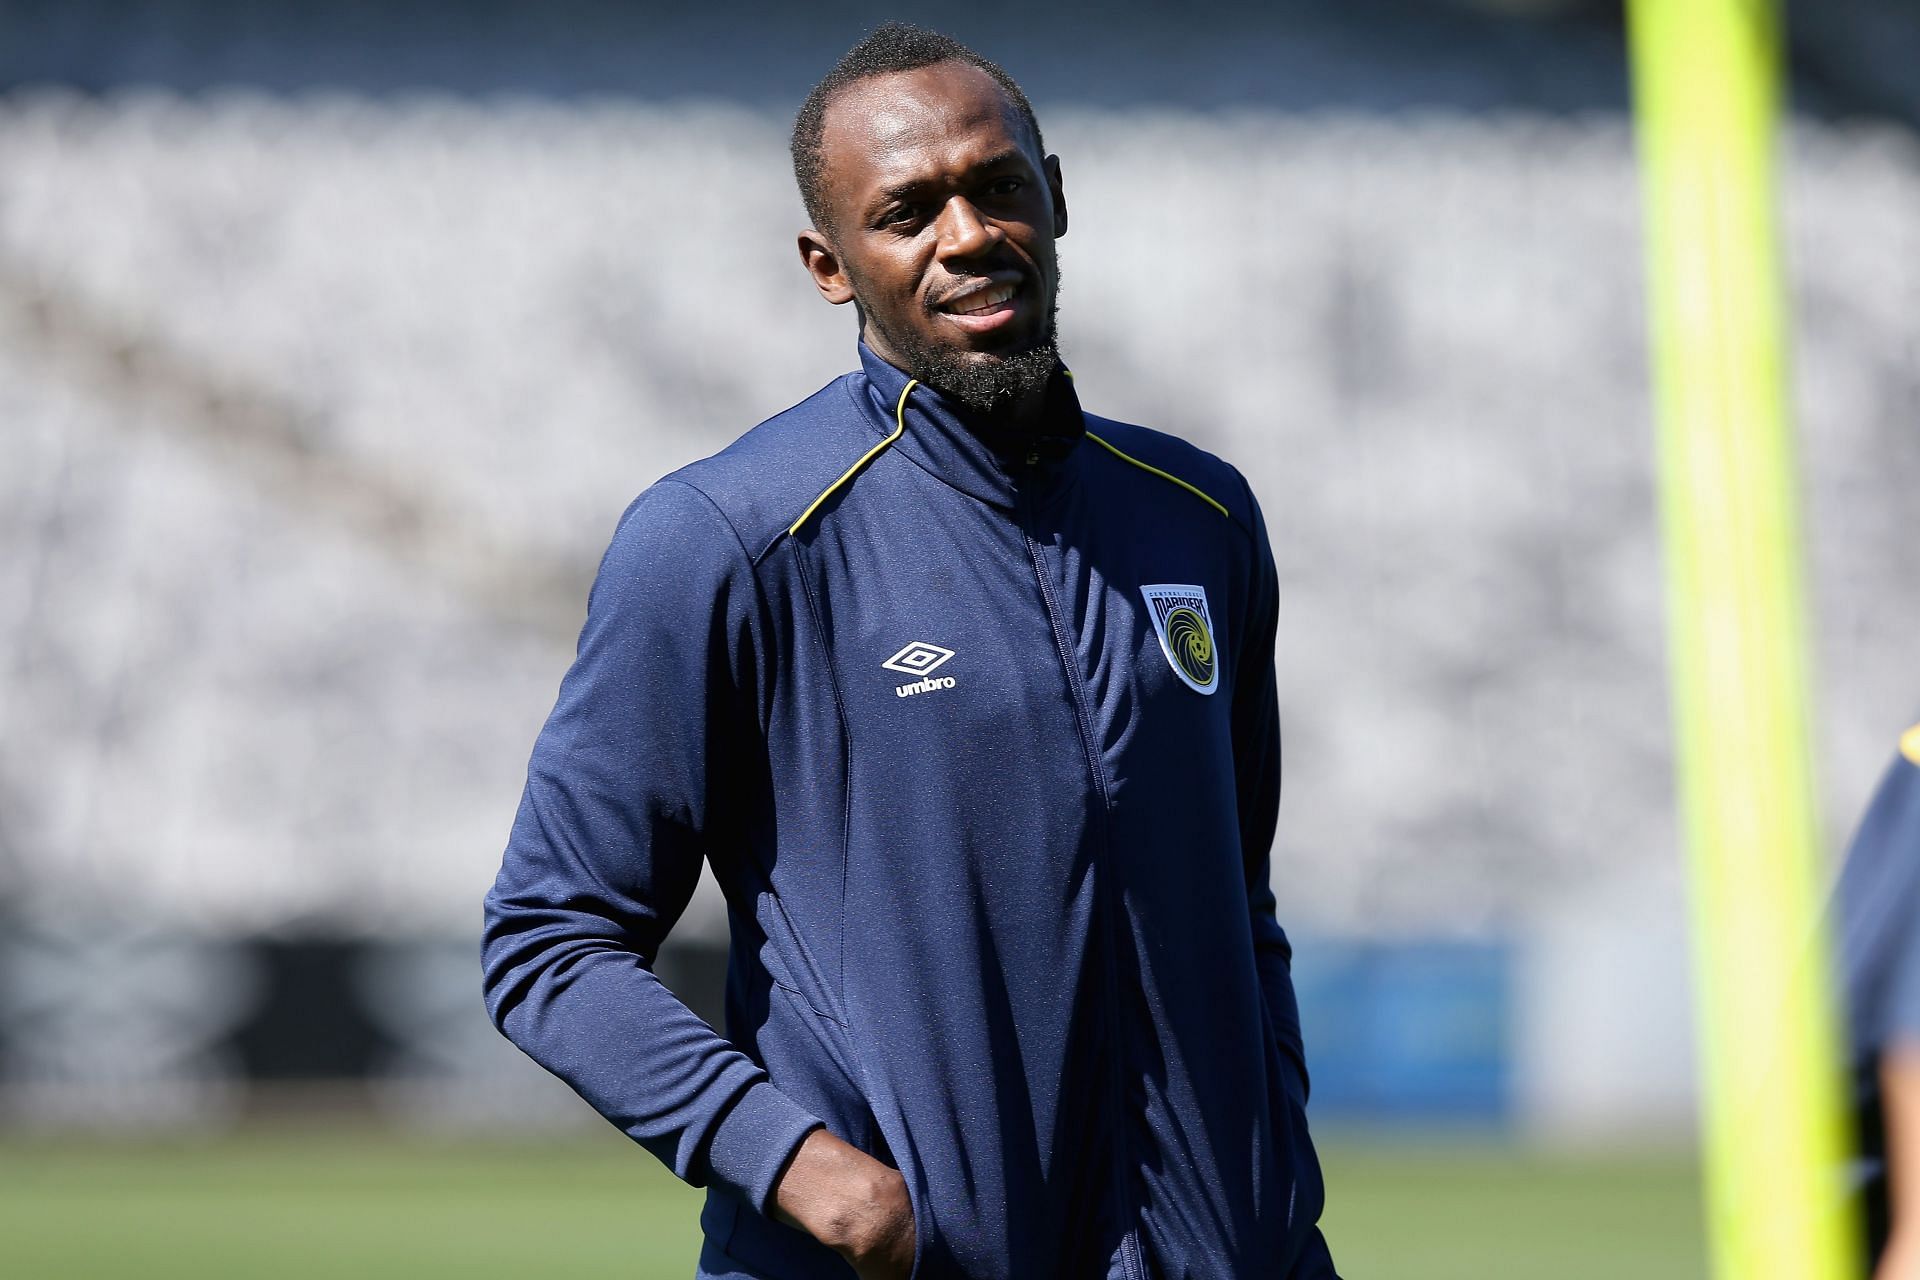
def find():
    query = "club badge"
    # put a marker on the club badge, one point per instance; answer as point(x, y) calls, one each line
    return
point(1185, 628)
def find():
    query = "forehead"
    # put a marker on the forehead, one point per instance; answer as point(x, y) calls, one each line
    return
point(909, 125)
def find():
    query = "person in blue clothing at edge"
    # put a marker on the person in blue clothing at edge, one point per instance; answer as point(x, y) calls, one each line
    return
point(967, 696)
point(1879, 926)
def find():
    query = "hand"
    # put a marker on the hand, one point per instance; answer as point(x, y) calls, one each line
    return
point(1900, 1110)
point(850, 1202)
point(1901, 1260)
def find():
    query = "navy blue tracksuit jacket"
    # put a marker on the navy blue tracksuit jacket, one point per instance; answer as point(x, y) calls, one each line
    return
point(978, 733)
point(1879, 927)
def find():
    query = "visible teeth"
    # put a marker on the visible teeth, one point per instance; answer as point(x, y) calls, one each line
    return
point(985, 300)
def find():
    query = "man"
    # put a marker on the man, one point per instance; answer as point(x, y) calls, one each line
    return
point(1879, 902)
point(968, 698)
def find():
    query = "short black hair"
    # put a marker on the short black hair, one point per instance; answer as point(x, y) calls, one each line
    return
point(893, 46)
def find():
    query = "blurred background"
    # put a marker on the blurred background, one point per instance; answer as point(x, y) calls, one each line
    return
point(334, 337)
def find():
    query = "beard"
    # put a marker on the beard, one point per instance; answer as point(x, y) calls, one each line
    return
point(984, 382)
point(993, 385)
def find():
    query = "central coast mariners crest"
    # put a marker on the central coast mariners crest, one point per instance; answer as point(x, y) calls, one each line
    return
point(1185, 628)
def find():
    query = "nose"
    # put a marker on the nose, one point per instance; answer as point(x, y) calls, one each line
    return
point(964, 233)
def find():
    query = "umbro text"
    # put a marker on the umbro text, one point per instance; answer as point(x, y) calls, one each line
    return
point(927, 685)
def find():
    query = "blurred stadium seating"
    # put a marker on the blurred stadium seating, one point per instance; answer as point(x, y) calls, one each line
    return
point(319, 407)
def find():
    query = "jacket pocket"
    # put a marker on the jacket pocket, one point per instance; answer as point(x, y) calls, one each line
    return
point(773, 1250)
point(791, 963)
point(922, 1230)
point(882, 1150)
point(806, 1055)
point(1308, 1195)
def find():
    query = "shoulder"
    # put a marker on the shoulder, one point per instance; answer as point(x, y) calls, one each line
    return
point(1206, 478)
point(1886, 846)
point(1878, 896)
point(713, 517)
point(761, 482)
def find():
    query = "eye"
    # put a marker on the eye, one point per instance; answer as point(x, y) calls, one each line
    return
point(902, 216)
point(1006, 186)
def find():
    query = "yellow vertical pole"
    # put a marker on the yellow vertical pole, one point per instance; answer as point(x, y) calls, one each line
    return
point(1707, 90)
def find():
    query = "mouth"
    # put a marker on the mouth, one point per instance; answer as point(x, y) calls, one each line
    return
point(985, 305)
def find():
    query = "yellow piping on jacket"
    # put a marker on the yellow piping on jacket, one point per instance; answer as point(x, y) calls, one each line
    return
point(1146, 466)
point(900, 426)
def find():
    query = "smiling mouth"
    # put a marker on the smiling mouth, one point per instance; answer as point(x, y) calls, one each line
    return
point(976, 302)
point(985, 307)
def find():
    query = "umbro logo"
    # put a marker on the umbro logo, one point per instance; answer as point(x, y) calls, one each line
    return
point(918, 659)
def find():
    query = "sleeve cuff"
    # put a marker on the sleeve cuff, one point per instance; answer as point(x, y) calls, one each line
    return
point(754, 1141)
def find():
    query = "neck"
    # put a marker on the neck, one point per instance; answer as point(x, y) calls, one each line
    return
point(1026, 414)
point(985, 454)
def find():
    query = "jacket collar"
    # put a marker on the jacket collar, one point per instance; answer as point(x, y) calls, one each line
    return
point(978, 455)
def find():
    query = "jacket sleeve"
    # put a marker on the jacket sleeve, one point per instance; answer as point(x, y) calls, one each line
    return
point(1879, 900)
point(628, 781)
point(1256, 757)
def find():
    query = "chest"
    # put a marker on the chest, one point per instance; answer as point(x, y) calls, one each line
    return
point(968, 640)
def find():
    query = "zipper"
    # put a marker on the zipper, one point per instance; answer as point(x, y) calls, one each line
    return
point(1131, 1262)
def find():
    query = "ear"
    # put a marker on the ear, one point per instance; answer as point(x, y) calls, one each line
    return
point(1059, 196)
point(823, 264)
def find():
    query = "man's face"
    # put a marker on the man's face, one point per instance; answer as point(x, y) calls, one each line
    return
point(943, 221)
